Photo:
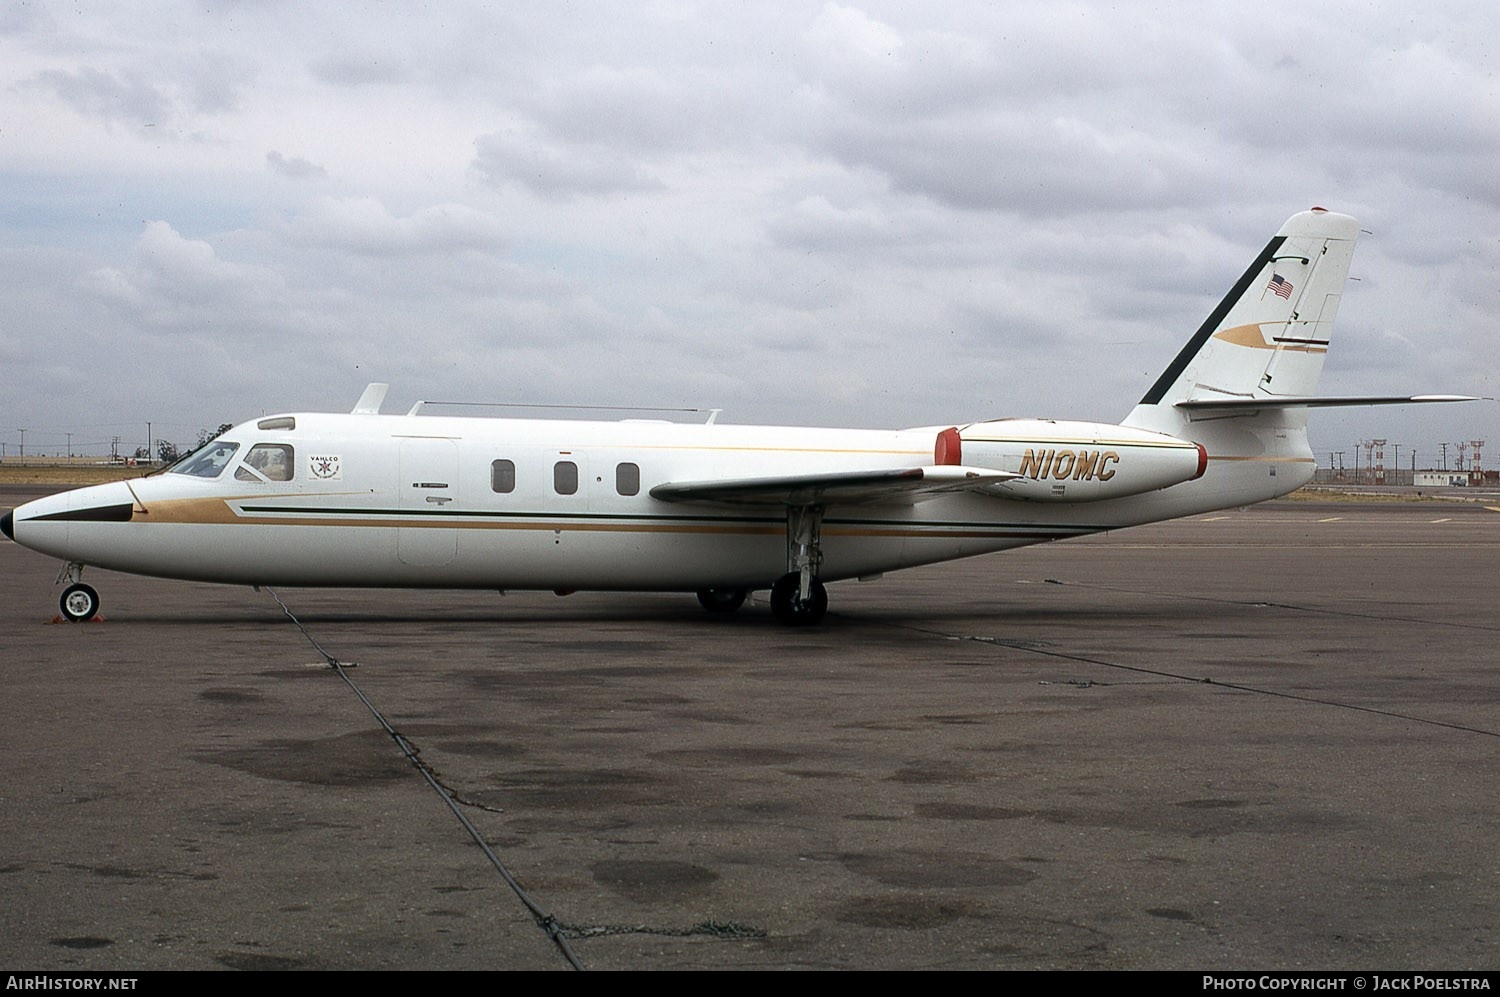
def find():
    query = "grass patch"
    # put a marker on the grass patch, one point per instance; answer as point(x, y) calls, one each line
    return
point(1333, 493)
point(67, 474)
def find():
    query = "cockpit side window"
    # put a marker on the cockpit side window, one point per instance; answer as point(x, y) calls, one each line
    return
point(208, 462)
point(266, 462)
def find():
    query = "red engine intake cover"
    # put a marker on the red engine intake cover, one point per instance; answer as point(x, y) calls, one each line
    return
point(949, 448)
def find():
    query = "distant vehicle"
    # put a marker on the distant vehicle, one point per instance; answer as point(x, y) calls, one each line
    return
point(366, 499)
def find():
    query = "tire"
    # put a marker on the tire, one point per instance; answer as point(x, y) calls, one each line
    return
point(789, 608)
point(721, 600)
point(79, 603)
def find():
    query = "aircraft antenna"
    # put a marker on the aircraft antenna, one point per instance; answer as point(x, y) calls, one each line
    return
point(713, 412)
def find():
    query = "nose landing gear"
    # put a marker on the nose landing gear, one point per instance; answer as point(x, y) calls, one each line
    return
point(79, 602)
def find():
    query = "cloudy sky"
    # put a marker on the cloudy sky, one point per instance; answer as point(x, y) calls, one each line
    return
point(863, 214)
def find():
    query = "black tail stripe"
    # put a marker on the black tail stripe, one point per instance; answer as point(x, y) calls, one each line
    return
point(1211, 324)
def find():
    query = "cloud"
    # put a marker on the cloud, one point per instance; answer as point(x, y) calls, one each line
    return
point(628, 108)
point(360, 70)
point(176, 285)
point(559, 170)
point(107, 95)
point(176, 90)
point(364, 226)
point(294, 168)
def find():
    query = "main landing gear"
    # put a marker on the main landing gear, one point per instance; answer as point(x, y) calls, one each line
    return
point(793, 609)
point(798, 599)
point(721, 600)
point(79, 602)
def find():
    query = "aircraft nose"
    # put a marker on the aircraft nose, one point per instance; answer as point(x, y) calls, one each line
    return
point(7, 524)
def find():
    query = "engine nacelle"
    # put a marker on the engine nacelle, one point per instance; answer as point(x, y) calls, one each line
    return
point(1071, 461)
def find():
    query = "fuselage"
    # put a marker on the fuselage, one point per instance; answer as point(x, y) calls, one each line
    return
point(424, 501)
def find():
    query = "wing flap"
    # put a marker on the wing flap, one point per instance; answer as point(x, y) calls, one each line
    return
point(900, 486)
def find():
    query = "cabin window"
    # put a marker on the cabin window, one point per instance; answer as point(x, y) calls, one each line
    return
point(266, 462)
point(503, 476)
point(208, 461)
point(565, 477)
point(628, 479)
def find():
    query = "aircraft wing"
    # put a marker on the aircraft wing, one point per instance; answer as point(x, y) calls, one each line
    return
point(904, 486)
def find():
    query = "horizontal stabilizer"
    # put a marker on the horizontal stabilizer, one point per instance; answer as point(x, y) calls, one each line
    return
point(905, 485)
point(1230, 404)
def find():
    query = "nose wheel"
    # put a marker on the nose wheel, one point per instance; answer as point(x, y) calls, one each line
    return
point(79, 603)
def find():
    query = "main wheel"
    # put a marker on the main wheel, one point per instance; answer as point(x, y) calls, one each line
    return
point(788, 606)
point(79, 603)
point(721, 600)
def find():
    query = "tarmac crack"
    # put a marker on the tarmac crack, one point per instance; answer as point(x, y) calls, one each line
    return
point(544, 920)
point(715, 929)
point(1043, 649)
point(558, 931)
point(1293, 607)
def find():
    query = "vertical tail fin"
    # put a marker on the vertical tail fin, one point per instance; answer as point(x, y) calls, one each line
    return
point(1268, 337)
point(1242, 386)
point(1266, 341)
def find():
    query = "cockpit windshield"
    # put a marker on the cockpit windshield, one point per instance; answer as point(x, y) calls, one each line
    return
point(208, 461)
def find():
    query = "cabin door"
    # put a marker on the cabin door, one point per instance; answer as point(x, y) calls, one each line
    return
point(428, 532)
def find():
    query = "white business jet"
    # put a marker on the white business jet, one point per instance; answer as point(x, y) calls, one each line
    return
point(412, 500)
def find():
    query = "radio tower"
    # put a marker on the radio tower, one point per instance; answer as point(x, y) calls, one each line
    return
point(1374, 461)
point(1476, 472)
point(1459, 462)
